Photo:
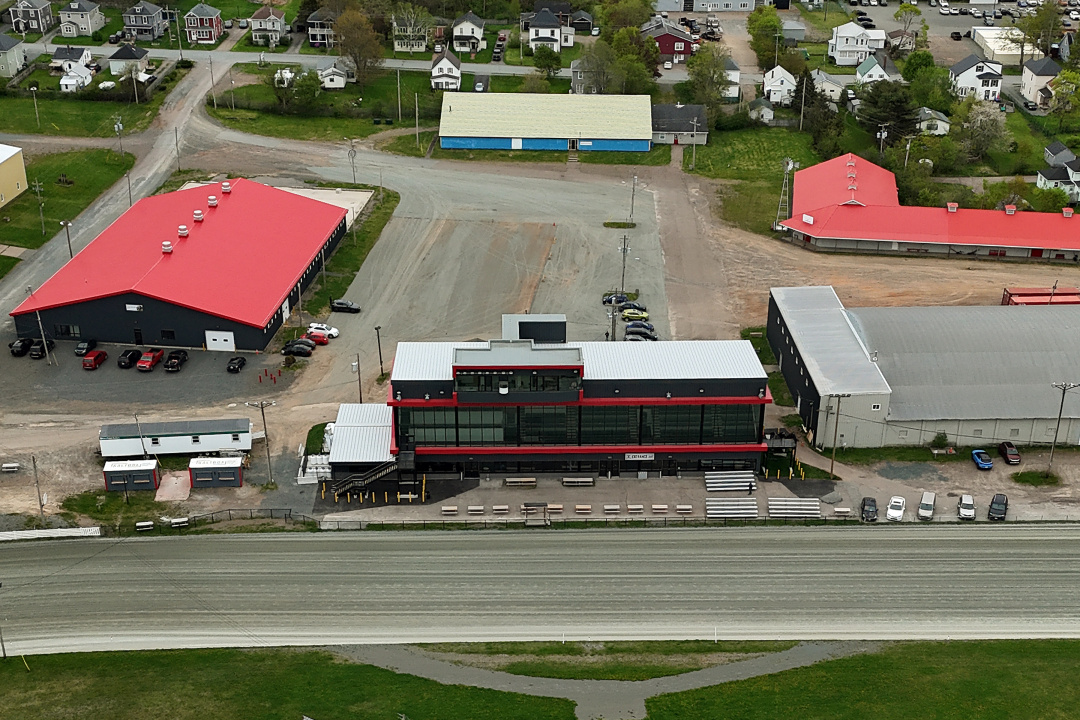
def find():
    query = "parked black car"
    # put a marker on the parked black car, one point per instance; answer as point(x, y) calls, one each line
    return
point(640, 324)
point(642, 332)
point(614, 299)
point(236, 364)
point(956, 35)
point(868, 509)
point(301, 350)
point(84, 347)
point(37, 350)
point(175, 360)
point(310, 344)
point(344, 306)
point(999, 507)
point(128, 358)
point(633, 306)
point(20, 347)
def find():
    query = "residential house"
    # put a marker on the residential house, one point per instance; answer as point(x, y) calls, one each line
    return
point(582, 22)
point(76, 78)
point(851, 43)
point(581, 82)
point(31, 16)
point(12, 172)
point(127, 54)
point(876, 68)
point(445, 71)
point(1063, 177)
point(332, 73)
point(831, 86)
point(409, 35)
point(63, 58)
point(900, 41)
point(680, 124)
point(978, 77)
point(1056, 154)
point(320, 28)
point(144, 21)
point(761, 110)
point(779, 86)
point(203, 25)
point(81, 17)
point(12, 56)
point(932, 122)
point(545, 30)
point(562, 11)
point(467, 34)
point(675, 43)
point(1035, 80)
point(267, 26)
point(734, 77)
point(793, 30)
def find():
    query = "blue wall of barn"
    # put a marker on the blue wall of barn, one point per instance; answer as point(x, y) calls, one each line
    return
point(586, 145)
point(471, 143)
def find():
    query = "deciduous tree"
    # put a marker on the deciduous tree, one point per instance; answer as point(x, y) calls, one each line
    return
point(547, 61)
point(917, 62)
point(359, 43)
point(599, 62)
point(981, 127)
point(708, 74)
point(906, 15)
point(766, 30)
point(1065, 101)
point(888, 104)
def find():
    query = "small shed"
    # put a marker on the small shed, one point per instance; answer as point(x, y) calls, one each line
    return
point(131, 475)
point(794, 30)
point(172, 438)
point(216, 472)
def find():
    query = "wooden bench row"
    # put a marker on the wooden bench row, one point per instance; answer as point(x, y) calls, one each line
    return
point(557, 509)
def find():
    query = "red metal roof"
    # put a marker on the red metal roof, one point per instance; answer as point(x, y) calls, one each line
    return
point(826, 206)
point(239, 263)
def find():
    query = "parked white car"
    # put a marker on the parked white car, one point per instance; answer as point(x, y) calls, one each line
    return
point(895, 511)
point(330, 331)
point(965, 509)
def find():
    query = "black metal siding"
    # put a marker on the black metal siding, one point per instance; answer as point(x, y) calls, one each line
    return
point(677, 388)
point(793, 367)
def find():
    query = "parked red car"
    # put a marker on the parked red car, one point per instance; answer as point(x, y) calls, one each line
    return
point(319, 338)
point(150, 358)
point(93, 359)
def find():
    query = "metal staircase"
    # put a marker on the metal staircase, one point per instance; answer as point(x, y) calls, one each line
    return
point(359, 481)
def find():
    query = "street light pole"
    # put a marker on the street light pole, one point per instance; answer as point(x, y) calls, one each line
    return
point(66, 224)
point(119, 128)
point(3, 649)
point(212, 83)
point(633, 195)
point(836, 429)
point(624, 249)
point(359, 378)
point(262, 405)
point(378, 340)
point(352, 157)
point(693, 160)
point(33, 91)
point(1064, 387)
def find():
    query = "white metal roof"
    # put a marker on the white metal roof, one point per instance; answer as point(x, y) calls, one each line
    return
point(830, 350)
point(517, 353)
point(366, 444)
point(130, 465)
point(663, 360)
point(363, 415)
point(7, 152)
point(199, 463)
point(534, 115)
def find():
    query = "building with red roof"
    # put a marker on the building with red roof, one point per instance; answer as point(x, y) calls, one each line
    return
point(849, 204)
point(219, 265)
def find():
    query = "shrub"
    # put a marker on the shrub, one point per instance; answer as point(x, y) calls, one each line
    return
point(96, 36)
point(940, 440)
point(185, 64)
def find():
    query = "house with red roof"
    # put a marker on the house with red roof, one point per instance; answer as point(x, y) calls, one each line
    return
point(849, 204)
point(218, 265)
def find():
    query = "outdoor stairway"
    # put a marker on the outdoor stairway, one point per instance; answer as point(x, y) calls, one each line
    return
point(571, 156)
point(361, 481)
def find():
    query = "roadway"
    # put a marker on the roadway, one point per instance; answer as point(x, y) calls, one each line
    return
point(912, 582)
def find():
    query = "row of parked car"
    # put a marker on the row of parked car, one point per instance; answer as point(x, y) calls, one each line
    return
point(634, 314)
point(317, 334)
point(965, 508)
point(92, 358)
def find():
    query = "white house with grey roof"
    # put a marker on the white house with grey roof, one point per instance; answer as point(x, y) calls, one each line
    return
point(734, 77)
point(12, 56)
point(1035, 80)
point(875, 68)
point(931, 122)
point(831, 86)
point(901, 375)
point(445, 71)
point(467, 34)
point(80, 17)
point(144, 21)
point(851, 43)
point(978, 77)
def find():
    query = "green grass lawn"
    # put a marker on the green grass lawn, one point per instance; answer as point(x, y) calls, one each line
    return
point(6, 265)
point(114, 23)
point(568, 55)
point(837, 15)
point(607, 660)
point(290, 126)
point(856, 139)
point(280, 684)
point(555, 156)
point(912, 453)
point(1018, 680)
point(315, 437)
point(756, 336)
point(343, 265)
point(818, 60)
point(406, 144)
point(659, 155)
point(1028, 158)
point(753, 157)
point(778, 387)
point(1036, 478)
point(92, 172)
point(109, 508)
point(244, 44)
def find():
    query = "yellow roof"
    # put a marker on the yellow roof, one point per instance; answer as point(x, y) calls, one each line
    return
point(532, 115)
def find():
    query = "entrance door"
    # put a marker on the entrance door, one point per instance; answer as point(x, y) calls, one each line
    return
point(138, 336)
point(573, 144)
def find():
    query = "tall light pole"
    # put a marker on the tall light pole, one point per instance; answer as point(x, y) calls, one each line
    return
point(66, 224)
point(693, 159)
point(119, 128)
point(633, 195)
point(352, 157)
point(378, 340)
point(836, 429)
point(3, 649)
point(1064, 387)
point(359, 378)
point(262, 405)
point(624, 249)
point(33, 91)
point(212, 83)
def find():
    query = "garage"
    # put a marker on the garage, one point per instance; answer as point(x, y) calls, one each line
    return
point(131, 475)
point(220, 340)
point(207, 472)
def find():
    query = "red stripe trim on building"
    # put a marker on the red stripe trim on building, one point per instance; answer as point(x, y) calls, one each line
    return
point(595, 402)
point(517, 368)
point(589, 449)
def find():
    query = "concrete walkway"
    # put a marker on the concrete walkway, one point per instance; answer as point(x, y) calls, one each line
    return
point(608, 699)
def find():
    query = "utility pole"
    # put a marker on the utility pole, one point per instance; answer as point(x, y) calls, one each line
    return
point(693, 159)
point(1064, 387)
point(352, 158)
point(378, 339)
point(118, 126)
point(44, 340)
point(836, 429)
point(135, 85)
point(908, 151)
point(41, 204)
point(416, 110)
point(633, 194)
point(3, 649)
point(399, 94)
point(802, 107)
point(176, 140)
point(776, 51)
point(33, 91)
point(128, 177)
point(232, 90)
point(179, 37)
point(212, 83)
point(66, 224)
point(624, 249)
point(882, 134)
point(1053, 290)
point(41, 505)
point(262, 405)
point(359, 380)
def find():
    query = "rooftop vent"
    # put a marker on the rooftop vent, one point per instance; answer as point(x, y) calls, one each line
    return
point(851, 173)
point(851, 162)
point(182, 231)
point(226, 188)
point(211, 200)
point(852, 186)
point(952, 206)
point(198, 216)
point(1067, 212)
point(166, 247)
point(1010, 209)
